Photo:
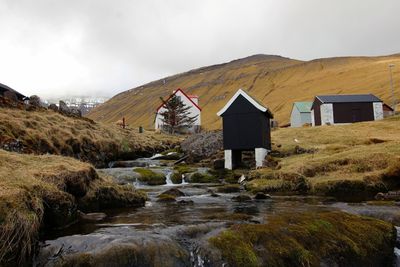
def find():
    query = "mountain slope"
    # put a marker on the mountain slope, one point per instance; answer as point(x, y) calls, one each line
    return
point(275, 81)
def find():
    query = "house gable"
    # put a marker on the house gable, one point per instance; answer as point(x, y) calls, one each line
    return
point(185, 95)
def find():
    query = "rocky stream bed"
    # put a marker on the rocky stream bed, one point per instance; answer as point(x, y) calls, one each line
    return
point(187, 231)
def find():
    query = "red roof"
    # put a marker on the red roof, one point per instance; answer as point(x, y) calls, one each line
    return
point(187, 96)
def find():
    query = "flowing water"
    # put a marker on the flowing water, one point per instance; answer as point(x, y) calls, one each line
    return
point(198, 211)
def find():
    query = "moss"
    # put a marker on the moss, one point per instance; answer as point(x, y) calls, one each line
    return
point(176, 178)
point(234, 249)
point(182, 169)
point(309, 239)
point(229, 188)
point(150, 177)
point(226, 175)
point(203, 178)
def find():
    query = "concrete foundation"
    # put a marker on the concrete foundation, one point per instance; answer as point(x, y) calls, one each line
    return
point(228, 159)
point(260, 153)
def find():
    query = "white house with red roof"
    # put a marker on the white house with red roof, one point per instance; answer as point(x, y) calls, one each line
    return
point(189, 100)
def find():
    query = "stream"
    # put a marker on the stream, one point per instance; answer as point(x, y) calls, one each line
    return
point(179, 230)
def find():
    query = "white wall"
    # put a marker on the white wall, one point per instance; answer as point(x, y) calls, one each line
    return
point(295, 118)
point(298, 119)
point(378, 110)
point(327, 114)
point(312, 118)
point(193, 111)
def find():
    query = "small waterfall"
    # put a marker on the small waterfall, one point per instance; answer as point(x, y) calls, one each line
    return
point(183, 179)
point(168, 180)
point(136, 184)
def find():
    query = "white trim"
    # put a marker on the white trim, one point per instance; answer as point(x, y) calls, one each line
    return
point(378, 110)
point(245, 95)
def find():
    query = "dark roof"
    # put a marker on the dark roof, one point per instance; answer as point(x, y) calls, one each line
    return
point(4, 88)
point(348, 98)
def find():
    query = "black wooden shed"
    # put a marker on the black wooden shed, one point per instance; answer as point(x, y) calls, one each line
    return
point(337, 109)
point(246, 127)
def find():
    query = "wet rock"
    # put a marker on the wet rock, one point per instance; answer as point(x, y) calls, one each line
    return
point(174, 192)
point(212, 193)
point(391, 195)
point(121, 175)
point(166, 198)
point(185, 202)
point(261, 195)
point(229, 188)
point(116, 246)
point(241, 198)
point(91, 217)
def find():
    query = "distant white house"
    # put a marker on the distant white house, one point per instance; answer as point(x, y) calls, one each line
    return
point(189, 100)
point(301, 114)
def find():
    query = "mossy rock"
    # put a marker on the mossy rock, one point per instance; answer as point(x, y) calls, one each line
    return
point(166, 198)
point(176, 178)
point(203, 178)
point(173, 192)
point(182, 169)
point(229, 188)
point(226, 175)
point(149, 177)
point(309, 239)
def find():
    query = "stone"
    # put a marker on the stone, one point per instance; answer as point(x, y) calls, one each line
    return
point(261, 195)
point(53, 107)
point(241, 198)
point(35, 101)
point(63, 108)
point(91, 217)
point(185, 202)
point(174, 192)
point(218, 164)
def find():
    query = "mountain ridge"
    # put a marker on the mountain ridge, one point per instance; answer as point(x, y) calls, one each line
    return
point(274, 80)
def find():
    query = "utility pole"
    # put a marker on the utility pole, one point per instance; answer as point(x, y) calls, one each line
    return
point(391, 86)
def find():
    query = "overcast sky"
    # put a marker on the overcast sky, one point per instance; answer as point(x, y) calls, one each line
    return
point(102, 47)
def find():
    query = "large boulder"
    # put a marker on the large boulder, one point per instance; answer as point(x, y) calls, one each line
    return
point(202, 145)
point(63, 108)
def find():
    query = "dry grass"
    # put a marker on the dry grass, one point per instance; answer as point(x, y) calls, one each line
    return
point(50, 132)
point(43, 191)
point(362, 152)
point(276, 82)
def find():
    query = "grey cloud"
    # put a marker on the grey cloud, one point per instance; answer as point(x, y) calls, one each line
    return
point(102, 47)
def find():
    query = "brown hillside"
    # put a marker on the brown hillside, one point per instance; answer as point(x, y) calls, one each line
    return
point(276, 81)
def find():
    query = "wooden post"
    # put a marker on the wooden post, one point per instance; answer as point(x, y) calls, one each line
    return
point(123, 122)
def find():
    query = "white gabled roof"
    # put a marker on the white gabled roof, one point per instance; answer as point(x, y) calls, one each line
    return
point(245, 95)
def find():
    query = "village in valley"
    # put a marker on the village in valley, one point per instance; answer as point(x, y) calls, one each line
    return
point(263, 160)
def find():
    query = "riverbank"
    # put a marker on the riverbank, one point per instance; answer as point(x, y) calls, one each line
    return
point(342, 160)
point(45, 131)
point(44, 192)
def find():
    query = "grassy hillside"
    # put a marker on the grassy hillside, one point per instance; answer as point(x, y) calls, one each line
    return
point(276, 81)
point(361, 158)
point(47, 131)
